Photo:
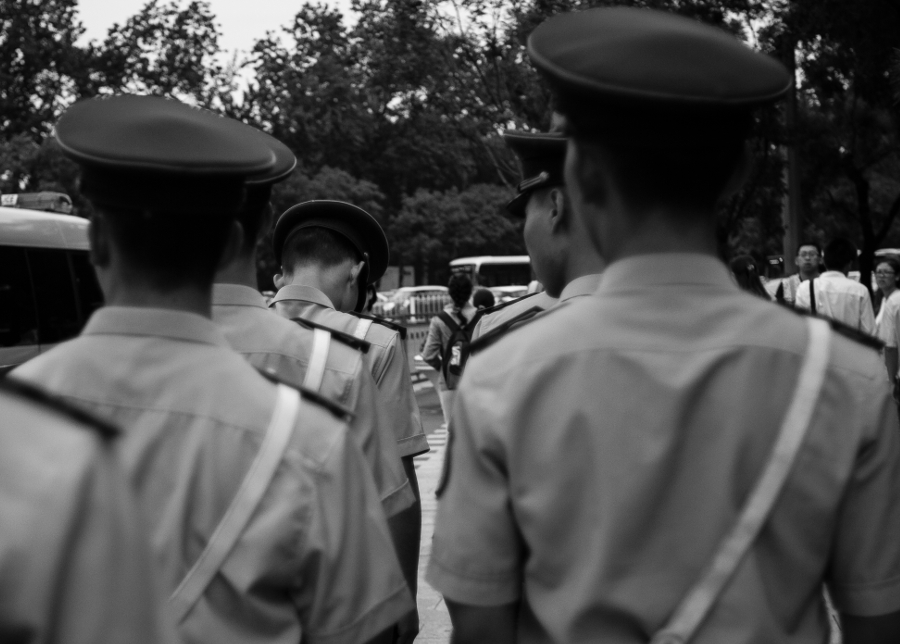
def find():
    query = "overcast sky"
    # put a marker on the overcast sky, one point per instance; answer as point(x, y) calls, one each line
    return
point(241, 22)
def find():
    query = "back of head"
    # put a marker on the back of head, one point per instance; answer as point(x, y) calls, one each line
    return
point(316, 247)
point(460, 289)
point(746, 273)
point(660, 103)
point(166, 179)
point(483, 299)
point(840, 253)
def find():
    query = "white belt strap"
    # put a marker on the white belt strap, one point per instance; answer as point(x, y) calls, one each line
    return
point(362, 328)
point(700, 599)
point(244, 504)
point(315, 372)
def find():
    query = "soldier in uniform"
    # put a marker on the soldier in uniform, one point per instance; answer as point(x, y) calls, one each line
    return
point(265, 523)
point(562, 255)
point(329, 252)
point(328, 362)
point(73, 553)
point(672, 457)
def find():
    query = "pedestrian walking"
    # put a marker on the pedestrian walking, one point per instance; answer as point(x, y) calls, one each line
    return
point(263, 517)
point(447, 342)
point(836, 296)
point(621, 467)
point(746, 274)
point(808, 260)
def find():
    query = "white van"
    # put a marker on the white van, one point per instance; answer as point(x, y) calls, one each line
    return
point(494, 270)
point(48, 288)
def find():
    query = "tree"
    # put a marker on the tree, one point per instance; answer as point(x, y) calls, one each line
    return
point(164, 50)
point(41, 67)
point(435, 227)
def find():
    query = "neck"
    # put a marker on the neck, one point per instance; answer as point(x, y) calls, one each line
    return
point(241, 271)
point(809, 273)
point(327, 280)
point(121, 291)
point(657, 231)
point(582, 259)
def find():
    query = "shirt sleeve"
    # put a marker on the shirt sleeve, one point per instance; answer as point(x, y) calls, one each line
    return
point(351, 584)
point(477, 552)
point(867, 315)
point(434, 345)
point(887, 330)
point(105, 588)
point(371, 429)
point(864, 571)
point(801, 296)
point(395, 389)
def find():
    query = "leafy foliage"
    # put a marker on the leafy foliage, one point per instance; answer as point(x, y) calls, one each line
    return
point(402, 110)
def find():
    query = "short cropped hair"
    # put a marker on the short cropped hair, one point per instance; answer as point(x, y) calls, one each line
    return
point(661, 157)
point(483, 299)
point(839, 253)
point(171, 250)
point(317, 246)
point(460, 288)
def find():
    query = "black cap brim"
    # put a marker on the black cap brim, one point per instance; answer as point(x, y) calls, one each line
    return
point(352, 222)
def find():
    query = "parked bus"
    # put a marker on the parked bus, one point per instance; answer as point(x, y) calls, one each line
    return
point(494, 270)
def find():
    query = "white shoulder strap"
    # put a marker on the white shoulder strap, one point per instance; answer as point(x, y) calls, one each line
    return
point(700, 599)
point(362, 328)
point(244, 504)
point(315, 372)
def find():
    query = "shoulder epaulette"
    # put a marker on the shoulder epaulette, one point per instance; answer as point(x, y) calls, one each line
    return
point(503, 305)
point(842, 329)
point(393, 326)
point(340, 336)
point(489, 338)
point(46, 400)
point(337, 409)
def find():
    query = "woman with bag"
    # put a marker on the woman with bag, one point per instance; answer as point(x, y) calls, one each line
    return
point(448, 334)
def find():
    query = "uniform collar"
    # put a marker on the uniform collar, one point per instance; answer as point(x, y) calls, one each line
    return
point(833, 274)
point(584, 285)
point(665, 269)
point(237, 295)
point(161, 323)
point(303, 293)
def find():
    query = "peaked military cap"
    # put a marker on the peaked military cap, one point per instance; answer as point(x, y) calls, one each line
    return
point(352, 222)
point(156, 154)
point(259, 186)
point(628, 54)
point(542, 157)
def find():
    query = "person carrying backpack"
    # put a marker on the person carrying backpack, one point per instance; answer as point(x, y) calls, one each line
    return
point(448, 336)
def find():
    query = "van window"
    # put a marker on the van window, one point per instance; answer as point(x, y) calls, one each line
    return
point(54, 290)
point(18, 319)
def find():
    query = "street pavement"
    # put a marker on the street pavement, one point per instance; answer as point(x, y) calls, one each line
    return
point(433, 618)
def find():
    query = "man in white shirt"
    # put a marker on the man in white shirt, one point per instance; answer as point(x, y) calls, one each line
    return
point(836, 296)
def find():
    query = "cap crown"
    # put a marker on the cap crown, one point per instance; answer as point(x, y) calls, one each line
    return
point(157, 134)
point(636, 55)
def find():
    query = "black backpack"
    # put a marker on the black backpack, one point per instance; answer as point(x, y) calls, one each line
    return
point(456, 351)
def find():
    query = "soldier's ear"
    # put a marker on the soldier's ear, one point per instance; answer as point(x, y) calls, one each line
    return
point(98, 235)
point(559, 213)
point(355, 270)
point(278, 280)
